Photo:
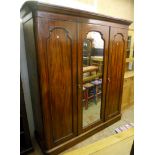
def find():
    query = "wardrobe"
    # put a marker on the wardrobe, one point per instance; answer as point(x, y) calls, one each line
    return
point(76, 62)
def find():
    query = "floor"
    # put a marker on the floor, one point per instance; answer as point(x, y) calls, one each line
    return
point(127, 117)
point(111, 145)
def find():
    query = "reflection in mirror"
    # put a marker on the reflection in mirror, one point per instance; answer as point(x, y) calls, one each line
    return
point(93, 47)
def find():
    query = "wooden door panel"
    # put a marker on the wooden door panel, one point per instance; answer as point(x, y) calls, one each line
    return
point(115, 71)
point(58, 54)
point(61, 62)
point(59, 65)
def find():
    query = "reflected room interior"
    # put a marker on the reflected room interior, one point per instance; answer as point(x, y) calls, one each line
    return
point(93, 47)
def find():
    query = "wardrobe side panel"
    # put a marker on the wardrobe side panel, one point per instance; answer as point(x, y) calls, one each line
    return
point(33, 75)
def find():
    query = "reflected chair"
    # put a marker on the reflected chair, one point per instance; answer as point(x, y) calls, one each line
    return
point(85, 100)
point(90, 93)
point(97, 83)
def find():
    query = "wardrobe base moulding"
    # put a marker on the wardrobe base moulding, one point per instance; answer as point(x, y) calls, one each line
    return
point(66, 145)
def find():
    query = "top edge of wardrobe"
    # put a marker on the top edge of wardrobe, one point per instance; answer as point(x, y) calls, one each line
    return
point(32, 6)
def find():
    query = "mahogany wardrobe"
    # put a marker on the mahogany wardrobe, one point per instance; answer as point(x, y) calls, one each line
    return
point(75, 65)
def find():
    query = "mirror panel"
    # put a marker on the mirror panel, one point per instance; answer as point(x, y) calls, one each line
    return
point(93, 48)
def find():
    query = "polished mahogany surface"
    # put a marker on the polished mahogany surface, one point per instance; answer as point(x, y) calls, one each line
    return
point(61, 60)
point(118, 38)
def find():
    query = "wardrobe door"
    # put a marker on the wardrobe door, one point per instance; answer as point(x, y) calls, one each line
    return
point(118, 38)
point(58, 73)
point(92, 71)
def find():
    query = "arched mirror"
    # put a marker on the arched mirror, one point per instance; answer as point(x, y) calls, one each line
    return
point(93, 48)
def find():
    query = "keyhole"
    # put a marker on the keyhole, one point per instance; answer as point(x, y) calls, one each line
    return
point(57, 37)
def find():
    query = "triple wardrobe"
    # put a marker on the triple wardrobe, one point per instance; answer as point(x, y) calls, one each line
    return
point(76, 62)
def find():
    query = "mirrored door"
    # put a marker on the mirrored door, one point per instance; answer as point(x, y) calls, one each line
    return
point(93, 51)
point(92, 72)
